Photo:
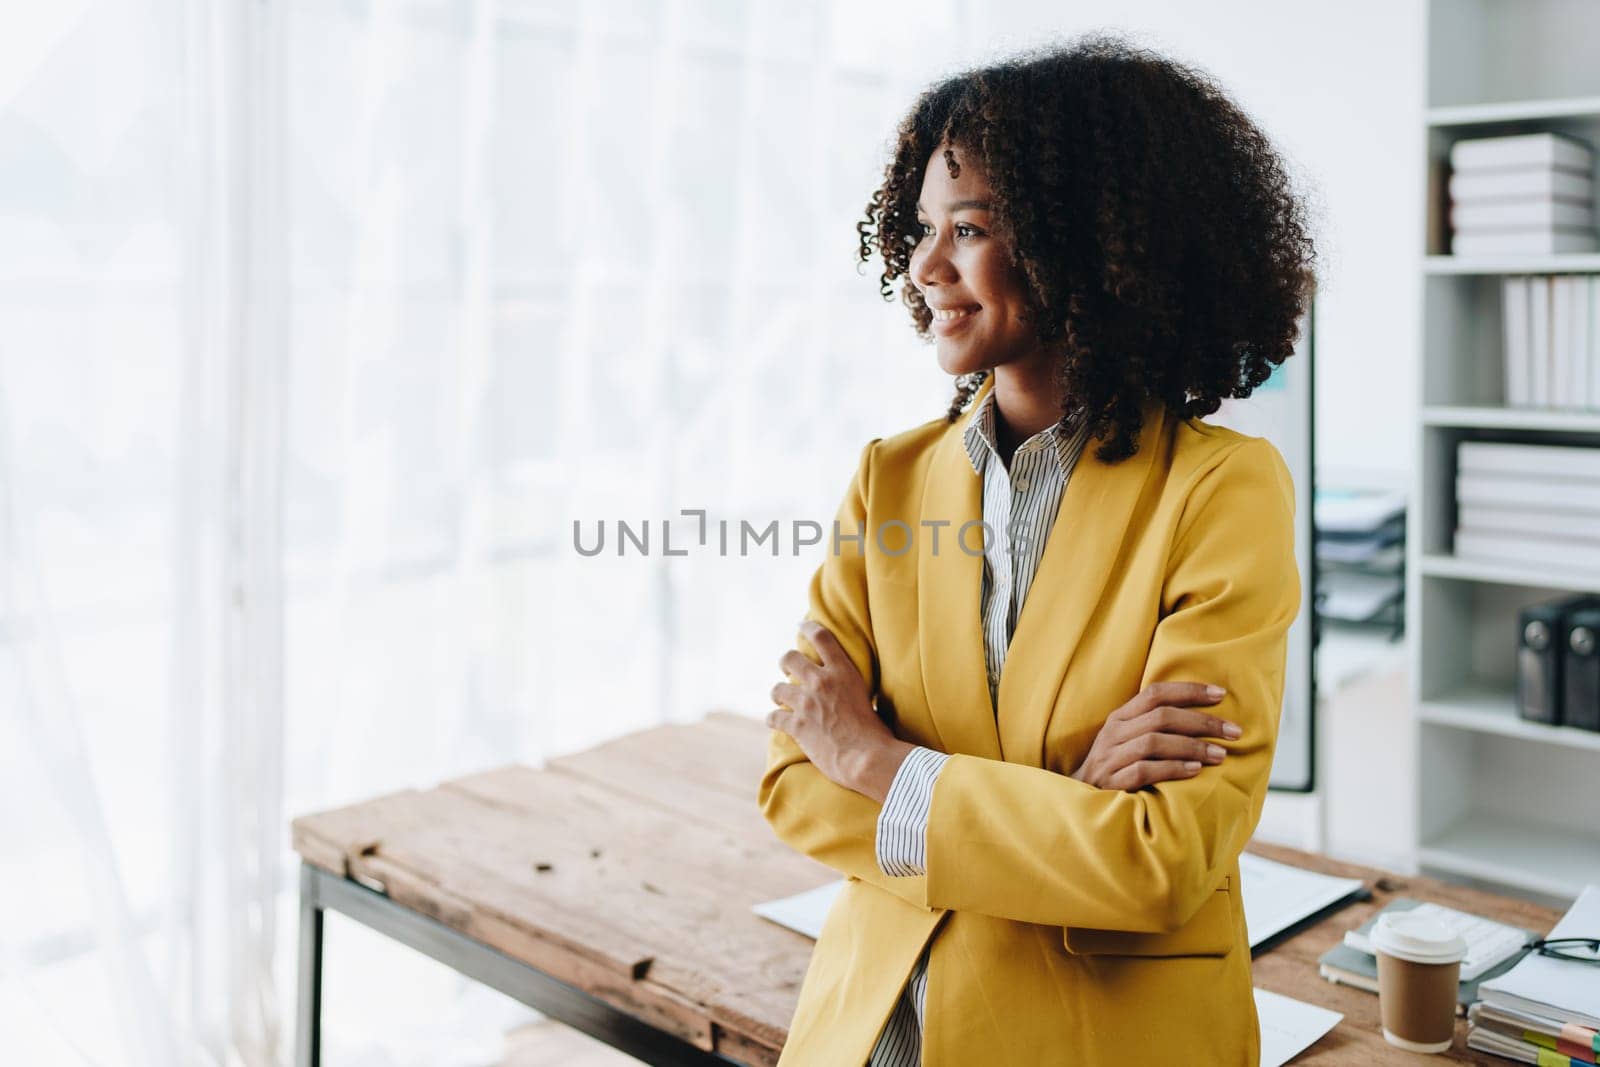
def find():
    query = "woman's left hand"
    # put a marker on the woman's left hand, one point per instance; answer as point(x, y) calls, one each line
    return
point(828, 711)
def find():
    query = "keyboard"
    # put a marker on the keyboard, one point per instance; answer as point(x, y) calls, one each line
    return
point(1488, 942)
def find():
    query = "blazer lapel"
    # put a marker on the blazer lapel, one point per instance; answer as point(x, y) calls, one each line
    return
point(1082, 549)
point(950, 584)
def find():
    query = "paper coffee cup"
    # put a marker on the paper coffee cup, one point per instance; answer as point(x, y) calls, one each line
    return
point(1419, 968)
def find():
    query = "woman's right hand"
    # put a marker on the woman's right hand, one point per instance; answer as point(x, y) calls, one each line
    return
point(1157, 737)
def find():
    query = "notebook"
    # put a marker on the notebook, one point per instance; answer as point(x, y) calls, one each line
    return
point(1522, 1029)
point(1489, 943)
point(1563, 990)
point(1351, 962)
point(1278, 896)
point(1510, 1048)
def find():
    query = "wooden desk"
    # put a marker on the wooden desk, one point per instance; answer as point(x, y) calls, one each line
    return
point(612, 890)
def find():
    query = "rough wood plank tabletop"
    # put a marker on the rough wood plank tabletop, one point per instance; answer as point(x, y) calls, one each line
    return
point(629, 870)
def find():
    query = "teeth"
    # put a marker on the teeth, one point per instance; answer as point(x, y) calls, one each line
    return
point(949, 314)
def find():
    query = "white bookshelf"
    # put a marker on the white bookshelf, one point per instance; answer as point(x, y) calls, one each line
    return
point(1549, 581)
point(1575, 107)
point(1502, 418)
point(1521, 853)
point(1499, 799)
point(1571, 263)
point(1488, 709)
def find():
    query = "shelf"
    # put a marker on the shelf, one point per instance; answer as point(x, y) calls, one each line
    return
point(1498, 798)
point(1575, 107)
point(1539, 858)
point(1503, 418)
point(1442, 565)
point(1562, 263)
point(1485, 709)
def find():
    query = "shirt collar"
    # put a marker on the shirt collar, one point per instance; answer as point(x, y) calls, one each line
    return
point(981, 442)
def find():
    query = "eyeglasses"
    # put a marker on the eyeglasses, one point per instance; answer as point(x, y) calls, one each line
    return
point(1576, 949)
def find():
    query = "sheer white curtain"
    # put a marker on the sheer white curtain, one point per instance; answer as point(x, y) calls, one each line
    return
point(320, 326)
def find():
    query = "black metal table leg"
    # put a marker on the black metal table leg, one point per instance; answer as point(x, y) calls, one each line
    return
point(308, 1019)
point(320, 890)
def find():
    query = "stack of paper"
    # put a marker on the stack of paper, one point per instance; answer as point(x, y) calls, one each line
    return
point(1358, 513)
point(1529, 193)
point(1551, 343)
point(1516, 503)
point(1360, 541)
point(1545, 1010)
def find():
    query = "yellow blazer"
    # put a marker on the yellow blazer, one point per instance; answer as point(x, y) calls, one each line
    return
point(1070, 924)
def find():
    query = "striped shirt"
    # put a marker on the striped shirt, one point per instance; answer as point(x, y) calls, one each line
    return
point(1019, 507)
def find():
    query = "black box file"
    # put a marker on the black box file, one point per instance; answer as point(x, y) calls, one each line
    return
point(1580, 667)
point(1541, 633)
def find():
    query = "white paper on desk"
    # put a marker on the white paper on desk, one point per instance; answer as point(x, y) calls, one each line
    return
point(803, 912)
point(1289, 1026)
point(1276, 896)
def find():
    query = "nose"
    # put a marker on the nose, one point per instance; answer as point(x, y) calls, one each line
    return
point(931, 264)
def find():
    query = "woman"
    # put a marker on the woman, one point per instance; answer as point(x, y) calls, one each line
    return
point(1034, 709)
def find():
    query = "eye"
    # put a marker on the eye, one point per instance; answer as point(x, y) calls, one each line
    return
point(965, 231)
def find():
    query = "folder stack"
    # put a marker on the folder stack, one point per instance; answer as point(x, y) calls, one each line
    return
point(1545, 1010)
point(1531, 193)
point(1522, 504)
point(1360, 547)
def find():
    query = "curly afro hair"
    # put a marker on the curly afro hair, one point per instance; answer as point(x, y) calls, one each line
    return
point(1163, 252)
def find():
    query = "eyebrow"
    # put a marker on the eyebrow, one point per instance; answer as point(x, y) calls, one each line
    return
point(958, 205)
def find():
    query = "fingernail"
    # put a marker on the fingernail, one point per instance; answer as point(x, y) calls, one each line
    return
point(1231, 730)
point(1215, 752)
point(1215, 692)
point(1192, 767)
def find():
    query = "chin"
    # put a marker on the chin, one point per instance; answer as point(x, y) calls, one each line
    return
point(958, 360)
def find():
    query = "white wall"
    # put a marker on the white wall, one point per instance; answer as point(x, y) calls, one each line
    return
point(1339, 88)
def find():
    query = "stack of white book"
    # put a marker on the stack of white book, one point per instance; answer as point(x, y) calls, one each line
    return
point(1528, 503)
point(1530, 193)
point(1551, 344)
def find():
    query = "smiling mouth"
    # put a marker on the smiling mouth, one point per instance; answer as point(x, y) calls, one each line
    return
point(952, 314)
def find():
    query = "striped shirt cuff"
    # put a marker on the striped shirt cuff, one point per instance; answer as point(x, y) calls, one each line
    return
point(902, 843)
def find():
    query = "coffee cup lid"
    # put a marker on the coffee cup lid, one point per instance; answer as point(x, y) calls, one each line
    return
point(1417, 938)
